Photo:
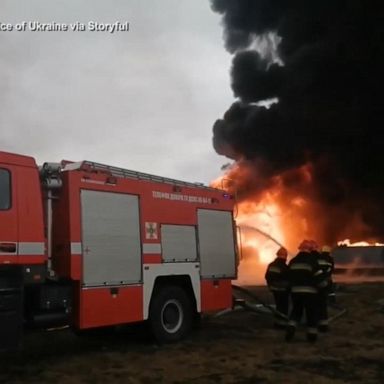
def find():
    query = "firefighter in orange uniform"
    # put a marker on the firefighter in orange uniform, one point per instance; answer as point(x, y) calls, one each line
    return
point(277, 281)
point(305, 278)
point(327, 265)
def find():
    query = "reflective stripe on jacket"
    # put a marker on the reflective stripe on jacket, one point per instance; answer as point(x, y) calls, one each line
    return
point(305, 274)
point(327, 265)
point(276, 275)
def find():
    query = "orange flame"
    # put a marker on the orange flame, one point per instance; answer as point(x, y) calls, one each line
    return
point(347, 243)
point(272, 213)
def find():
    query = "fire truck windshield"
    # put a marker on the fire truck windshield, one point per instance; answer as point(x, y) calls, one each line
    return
point(5, 189)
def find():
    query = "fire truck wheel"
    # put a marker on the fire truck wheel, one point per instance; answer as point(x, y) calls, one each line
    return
point(170, 314)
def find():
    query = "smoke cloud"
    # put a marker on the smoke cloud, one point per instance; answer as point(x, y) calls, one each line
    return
point(322, 60)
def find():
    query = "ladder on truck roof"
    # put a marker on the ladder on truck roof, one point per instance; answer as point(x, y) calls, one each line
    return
point(92, 166)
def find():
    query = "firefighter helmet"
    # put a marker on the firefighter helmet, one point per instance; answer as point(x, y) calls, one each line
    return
point(305, 246)
point(282, 252)
point(326, 248)
point(313, 245)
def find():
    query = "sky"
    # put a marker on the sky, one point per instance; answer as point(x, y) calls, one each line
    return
point(143, 99)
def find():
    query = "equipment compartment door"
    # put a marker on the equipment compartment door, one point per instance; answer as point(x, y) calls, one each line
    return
point(216, 243)
point(111, 238)
point(178, 243)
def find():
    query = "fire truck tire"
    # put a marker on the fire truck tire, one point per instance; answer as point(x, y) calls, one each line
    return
point(170, 314)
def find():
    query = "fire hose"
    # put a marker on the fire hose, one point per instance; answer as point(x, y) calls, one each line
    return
point(243, 304)
point(255, 298)
point(341, 311)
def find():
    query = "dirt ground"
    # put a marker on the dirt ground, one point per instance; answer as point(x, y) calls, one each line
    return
point(240, 347)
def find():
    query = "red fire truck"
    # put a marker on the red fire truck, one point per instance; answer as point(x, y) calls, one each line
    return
point(90, 245)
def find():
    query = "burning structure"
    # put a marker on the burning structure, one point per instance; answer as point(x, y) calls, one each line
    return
point(305, 131)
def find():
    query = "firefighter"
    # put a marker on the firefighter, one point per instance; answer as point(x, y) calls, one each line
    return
point(326, 253)
point(327, 265)
point(277, 280)
point(305, 277)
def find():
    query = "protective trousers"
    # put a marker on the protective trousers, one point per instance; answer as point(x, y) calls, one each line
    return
point(323, 310)
point(282, 305)
point(304, 303)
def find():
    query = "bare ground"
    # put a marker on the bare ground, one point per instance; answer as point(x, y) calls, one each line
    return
point(239, 347)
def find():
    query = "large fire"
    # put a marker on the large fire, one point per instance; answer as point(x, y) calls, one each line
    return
point(274, 214)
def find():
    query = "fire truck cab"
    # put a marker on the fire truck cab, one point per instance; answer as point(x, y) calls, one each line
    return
point(90, 245)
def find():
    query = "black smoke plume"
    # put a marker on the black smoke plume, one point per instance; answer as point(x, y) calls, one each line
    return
point(325, 68)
